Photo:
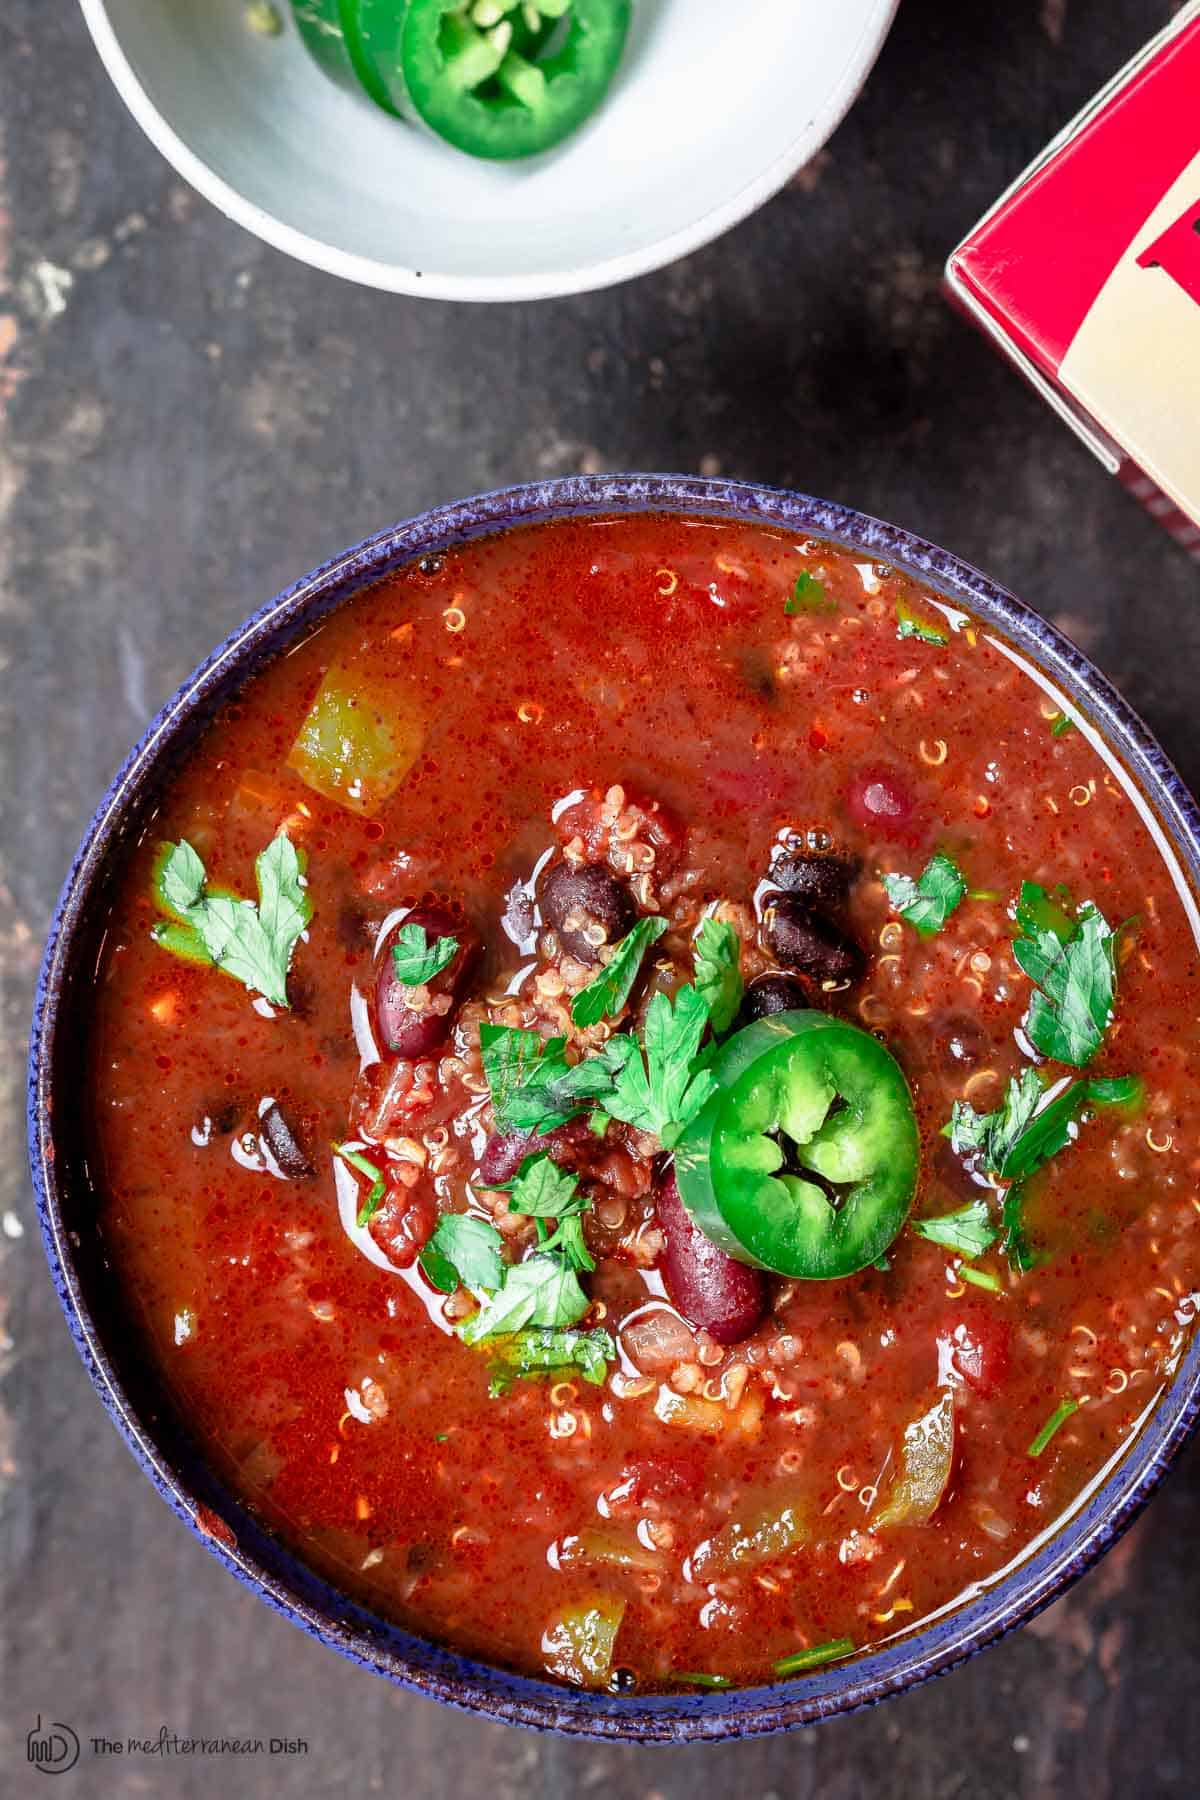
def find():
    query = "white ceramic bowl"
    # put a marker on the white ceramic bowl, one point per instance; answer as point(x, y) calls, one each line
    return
point(717, 103)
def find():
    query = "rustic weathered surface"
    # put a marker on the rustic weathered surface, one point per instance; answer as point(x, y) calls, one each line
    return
point(186, 422)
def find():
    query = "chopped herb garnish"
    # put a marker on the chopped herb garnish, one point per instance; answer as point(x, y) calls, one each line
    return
point(1073, 966)
point(809, 595)
point(1125, 1091)
point(599, 1122)
point(927, 902)
point(416, 961)
point(969, 1230)
point(365, 1166)
point(813, 1659)
point(533, 1086)
point(604, 997)
point(440, 1437)
point(542, 1352)
point(1057, 1419)
point(1060, 724)
point(1053, 1126)
point(991, 1136)
point(663, 1088)
point(910, 625)
point(544, 1191)
point(1032, 1124)
point(1017, 1247)
point(718, 958)
point(698, 1678)
point(253, 943)
point(981, 1279)
point(543, 1290)
point(463, 1251)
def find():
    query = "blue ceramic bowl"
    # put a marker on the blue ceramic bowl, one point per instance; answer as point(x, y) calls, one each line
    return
point(141, 1410)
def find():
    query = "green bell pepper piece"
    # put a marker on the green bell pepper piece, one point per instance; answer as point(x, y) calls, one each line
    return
point(802, 1095)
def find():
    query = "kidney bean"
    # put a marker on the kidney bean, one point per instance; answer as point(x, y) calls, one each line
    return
point(571, 1146)
point(417, 1030)
point(712, 1291)
point(878, 800)
point(821, 881)
point(404, 1224)
point(282, 1142)
point(771, 994)
point(811, 945)
point(576, 902)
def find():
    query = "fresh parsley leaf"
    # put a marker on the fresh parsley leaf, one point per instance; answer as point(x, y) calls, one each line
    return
point(809, 595)
point(252, 943)
point(541, 1291)
point(910, 625)
point(523, 1073)
point(1029, 1127)
point(533, 1086)
point(1073, 964)
point(545, 1352)
point(1045, 928)
point(969, 1231)
point(1051, 1129)
point(513, 1059)
point(604, 997)
point(365, 1166)
point(463, 1251)
point(718, 958)
point(415, 960)
point(544, 1191)
point(991, 1136)
point(927, 902)
point(662, 1088)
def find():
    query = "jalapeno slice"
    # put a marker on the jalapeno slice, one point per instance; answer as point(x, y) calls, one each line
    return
point(487, 93)
point(805, 1160)
point(331, 31)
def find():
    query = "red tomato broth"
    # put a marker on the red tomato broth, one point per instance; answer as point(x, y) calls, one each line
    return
point(655, 654)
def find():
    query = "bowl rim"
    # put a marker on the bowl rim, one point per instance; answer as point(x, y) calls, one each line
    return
point(177, 1468)
point(400, 278)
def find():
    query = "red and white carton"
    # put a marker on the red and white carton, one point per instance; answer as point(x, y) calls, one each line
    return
point(1086, 273)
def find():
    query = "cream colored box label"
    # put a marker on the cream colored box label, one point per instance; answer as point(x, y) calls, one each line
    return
point(1135, 362)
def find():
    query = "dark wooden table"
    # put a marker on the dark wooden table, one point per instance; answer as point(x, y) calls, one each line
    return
point(187, 421)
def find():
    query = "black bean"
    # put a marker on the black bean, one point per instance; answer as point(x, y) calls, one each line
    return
point(803, 941)
point(823, 882)
point(412, 1031)
point(581, 903)
point(280, 1139)
point(771, 994)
